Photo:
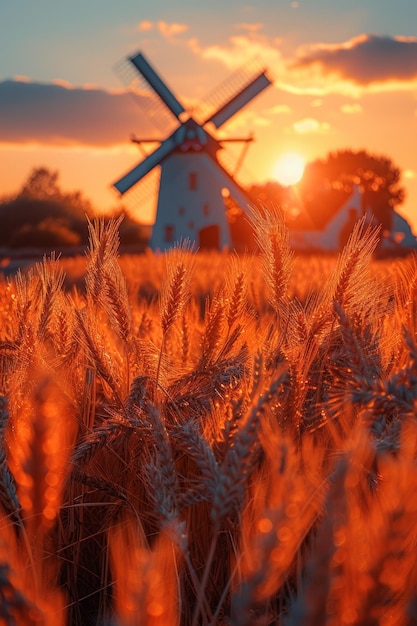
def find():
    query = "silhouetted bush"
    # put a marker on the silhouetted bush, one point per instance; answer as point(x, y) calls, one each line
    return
point(133, 234)
point(47, 234)
point(31, 222)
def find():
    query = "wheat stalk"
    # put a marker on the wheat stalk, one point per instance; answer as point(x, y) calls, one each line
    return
point(272, 237)
point(235, 434)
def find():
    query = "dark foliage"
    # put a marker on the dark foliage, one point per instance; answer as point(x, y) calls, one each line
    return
point(31, 222)
point(41, 215)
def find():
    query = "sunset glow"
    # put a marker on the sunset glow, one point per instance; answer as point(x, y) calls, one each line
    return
point(289, 168)
point(208, 313)
point(340, 82)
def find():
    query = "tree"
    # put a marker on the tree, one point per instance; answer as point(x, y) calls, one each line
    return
point(42, 184)
point(270, 191)
point(327, 183)
point(42, 215)
point(272, 194)
point(31, 222)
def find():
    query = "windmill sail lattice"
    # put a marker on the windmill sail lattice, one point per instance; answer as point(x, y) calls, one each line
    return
point(193, 180)
point(153, 108)
point(227, 90)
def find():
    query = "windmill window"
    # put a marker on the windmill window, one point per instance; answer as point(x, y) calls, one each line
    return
point(181, 210)
point(169, 233)
point(206, 209)
point(191, 225)
point(192, 181)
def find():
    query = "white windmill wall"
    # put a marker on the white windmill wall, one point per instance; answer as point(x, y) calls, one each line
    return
point(190, 199)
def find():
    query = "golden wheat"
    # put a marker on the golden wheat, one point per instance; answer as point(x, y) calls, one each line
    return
point(202, 439)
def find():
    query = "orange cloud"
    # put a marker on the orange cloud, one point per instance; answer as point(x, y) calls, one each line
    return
point(62, 83)
point(167, 30)
point(305, 75)
point(240, 50)
point(246, 119)
point(251, 28)
point(90, 86)
point(145, 26)
point(279, 109)
point(310, 125)
point(20, 78)
point(171, 30)
point(364, 63)
point(351, 109)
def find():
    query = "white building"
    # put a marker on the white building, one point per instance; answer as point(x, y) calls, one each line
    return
point(335, 232)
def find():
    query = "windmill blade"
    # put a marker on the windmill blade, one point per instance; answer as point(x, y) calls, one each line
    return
point(231, 161)
point(141, 200)
point(155, 114)
point(157, 84)
point(144, 167)
point(237, 102)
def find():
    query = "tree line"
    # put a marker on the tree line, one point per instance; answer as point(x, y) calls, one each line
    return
point(41, 214)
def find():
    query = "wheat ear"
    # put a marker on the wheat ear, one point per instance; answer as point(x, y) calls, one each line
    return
point(350, 277)
point(103, 247)
point(8, 494)
point(175, 293)
point(272, 237)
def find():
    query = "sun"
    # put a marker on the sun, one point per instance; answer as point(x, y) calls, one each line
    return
point(289, 168)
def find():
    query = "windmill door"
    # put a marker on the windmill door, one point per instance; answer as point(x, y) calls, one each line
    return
point(209, 237)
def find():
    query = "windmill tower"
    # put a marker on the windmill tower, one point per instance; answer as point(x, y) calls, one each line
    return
point(193, 181)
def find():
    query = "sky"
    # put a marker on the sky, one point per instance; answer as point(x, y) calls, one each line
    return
point(344, 77)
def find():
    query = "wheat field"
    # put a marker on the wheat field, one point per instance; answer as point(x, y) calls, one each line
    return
point(209, 439)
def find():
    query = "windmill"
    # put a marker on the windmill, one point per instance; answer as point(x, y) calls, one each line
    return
point(193, 181)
